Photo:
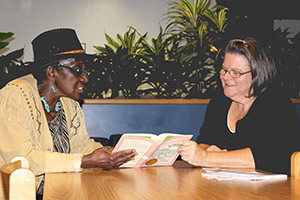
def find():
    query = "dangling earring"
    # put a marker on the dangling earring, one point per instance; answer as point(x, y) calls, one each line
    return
point(53, 89)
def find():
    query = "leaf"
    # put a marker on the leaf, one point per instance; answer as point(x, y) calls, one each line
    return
point(3, 44)
point(213, 48)
point(111, 41)
point(4, 36)
point(121, 40)
point(99, 48)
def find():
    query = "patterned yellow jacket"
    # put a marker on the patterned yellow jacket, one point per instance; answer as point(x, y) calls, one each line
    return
point(24, 130)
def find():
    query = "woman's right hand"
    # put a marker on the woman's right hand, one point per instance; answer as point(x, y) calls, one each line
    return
point(104, 158)
point(191, 152)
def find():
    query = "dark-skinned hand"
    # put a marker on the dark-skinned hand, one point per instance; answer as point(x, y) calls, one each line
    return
point(104, 158)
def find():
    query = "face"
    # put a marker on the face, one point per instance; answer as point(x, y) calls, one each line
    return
point(70, 83)
point(236, 89)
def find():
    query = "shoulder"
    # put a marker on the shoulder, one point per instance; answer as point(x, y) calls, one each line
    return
point(22, 83)
point(275, 95)
point(276, 102)
point(25, 86)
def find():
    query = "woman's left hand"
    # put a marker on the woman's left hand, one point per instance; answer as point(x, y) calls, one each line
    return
point(215, 148)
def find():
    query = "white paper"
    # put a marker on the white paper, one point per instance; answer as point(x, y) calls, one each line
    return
point(252, 176)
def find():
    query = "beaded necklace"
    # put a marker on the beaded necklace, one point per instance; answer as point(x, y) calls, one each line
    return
point(47, 107)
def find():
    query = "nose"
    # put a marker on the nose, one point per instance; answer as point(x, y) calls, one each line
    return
point(225, 78)
point(84, 78)
point(227, 75)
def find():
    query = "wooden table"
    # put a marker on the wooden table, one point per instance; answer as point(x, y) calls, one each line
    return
point(159, 183)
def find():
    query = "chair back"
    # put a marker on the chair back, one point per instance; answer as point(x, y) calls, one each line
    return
point(295, 165)
point(18, 181)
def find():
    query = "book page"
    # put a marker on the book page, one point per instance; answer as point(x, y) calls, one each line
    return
point(164, 136)
point(140, 144)
point(167, 153)
point(145, 135)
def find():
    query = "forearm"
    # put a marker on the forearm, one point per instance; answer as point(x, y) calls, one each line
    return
point(241, 158)
point(46, 162)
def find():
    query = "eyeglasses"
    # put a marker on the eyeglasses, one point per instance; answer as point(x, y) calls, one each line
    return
point(232, 73)
point(77, 71)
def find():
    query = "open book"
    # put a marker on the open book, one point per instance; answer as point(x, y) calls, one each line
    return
point(153, 150)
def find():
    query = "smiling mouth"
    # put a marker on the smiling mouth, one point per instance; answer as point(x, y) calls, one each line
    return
point(80, 89)
point(228, 85)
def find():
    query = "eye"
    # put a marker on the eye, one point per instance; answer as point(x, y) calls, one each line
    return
point(222, 70)
point(77, 70)
point(235, 72)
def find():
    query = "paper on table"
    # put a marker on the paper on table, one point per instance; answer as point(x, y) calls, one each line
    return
point(252, 176)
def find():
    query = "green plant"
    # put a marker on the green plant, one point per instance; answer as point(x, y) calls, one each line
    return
point(165, 78)
point(196, 31)
point(119, 69)
point(179, 62)
point(11, 64)
point(3, 37)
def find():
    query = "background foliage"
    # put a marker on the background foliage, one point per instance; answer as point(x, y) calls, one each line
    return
point(178, 63)
point(11, 64)
point(182, 61)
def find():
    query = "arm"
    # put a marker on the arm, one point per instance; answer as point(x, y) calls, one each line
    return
point(210, 156)
point(204, 146)
point(104, 158)
point(280, 129)
point(94, 155)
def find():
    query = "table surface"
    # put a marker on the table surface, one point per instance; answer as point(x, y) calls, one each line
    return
point(177, 182)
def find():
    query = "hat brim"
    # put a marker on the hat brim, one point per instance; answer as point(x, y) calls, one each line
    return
point(48, 61)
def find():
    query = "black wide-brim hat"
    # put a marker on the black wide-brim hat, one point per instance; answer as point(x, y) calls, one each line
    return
point(57, 44)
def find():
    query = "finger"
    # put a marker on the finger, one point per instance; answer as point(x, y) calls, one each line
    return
point(124, 154)
point(188, 148)
point(185, 158)
point(123, 159)
point(185, 153)
point(180, 142)
point(128, 150)
point(183, 149)
point(175, 143)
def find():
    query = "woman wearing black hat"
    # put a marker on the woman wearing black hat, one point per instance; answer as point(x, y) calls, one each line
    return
point(40, 117)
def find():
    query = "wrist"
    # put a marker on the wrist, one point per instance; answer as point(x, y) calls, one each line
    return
point(86, 162)
point(204, 158)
